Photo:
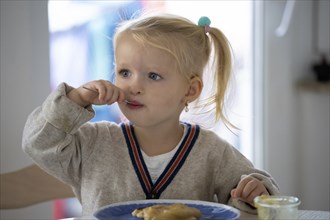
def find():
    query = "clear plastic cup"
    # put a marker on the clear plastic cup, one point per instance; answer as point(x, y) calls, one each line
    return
point(277, 207)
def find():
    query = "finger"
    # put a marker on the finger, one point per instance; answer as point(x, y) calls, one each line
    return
point(249, 188)
point(121, 97)
point(102, 90)
point(233, 193)
point(118, 95)
point(113, 96)
point(113, 93)
point(241, 185)
point(105, 90)
point(88, 92)
point(257, 192)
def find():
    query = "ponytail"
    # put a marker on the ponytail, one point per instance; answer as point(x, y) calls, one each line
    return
point(222, 67)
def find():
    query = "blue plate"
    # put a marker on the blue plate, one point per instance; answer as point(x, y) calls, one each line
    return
point(122, 211)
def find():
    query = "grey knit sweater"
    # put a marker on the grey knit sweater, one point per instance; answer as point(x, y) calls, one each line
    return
point(102, 161)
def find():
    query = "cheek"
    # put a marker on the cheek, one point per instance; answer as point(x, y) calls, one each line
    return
point(119, 84)
point(172, 98)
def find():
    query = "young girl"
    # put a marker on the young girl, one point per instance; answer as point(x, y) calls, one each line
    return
point(159, 70)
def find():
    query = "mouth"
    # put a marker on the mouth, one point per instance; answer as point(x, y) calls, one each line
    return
point(133, 104)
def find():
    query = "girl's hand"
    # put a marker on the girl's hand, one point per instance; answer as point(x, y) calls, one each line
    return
point(249, 188)
point(107, 93)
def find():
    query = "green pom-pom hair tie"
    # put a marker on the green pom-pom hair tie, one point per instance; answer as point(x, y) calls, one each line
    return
point(205, 22)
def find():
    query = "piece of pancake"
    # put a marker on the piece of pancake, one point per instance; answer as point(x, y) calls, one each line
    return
point(168, 212)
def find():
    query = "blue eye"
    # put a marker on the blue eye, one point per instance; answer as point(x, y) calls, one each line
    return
point(124, 73)
point(154, 76)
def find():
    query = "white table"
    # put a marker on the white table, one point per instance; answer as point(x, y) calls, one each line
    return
point(302, 214)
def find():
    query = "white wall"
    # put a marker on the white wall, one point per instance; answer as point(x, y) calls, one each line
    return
point(297, 122)
point(24, 84)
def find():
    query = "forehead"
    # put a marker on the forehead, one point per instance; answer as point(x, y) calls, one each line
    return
point(129, 48)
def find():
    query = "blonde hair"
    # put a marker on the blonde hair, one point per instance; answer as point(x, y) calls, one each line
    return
point(191, 47)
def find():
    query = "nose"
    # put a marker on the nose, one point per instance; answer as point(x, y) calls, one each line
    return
point(136, 85)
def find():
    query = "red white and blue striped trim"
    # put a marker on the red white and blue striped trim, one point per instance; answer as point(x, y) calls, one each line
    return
point(151, 190)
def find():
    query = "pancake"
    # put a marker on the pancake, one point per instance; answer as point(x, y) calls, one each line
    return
point(168, 212)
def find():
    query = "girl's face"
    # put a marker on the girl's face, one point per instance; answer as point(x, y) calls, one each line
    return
point(155, 90)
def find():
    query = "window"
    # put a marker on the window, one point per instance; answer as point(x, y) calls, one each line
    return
point(81, 50)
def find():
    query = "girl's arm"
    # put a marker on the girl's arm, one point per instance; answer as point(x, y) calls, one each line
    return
point(52, 138)
point(237, 174)
point(56, 135)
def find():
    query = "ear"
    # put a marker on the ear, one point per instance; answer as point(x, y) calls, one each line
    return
point(194, 89)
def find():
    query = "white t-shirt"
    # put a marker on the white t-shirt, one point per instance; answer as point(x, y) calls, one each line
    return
point(157, 164)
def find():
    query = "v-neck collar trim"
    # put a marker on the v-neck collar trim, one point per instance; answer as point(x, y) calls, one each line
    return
point(154, 190)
